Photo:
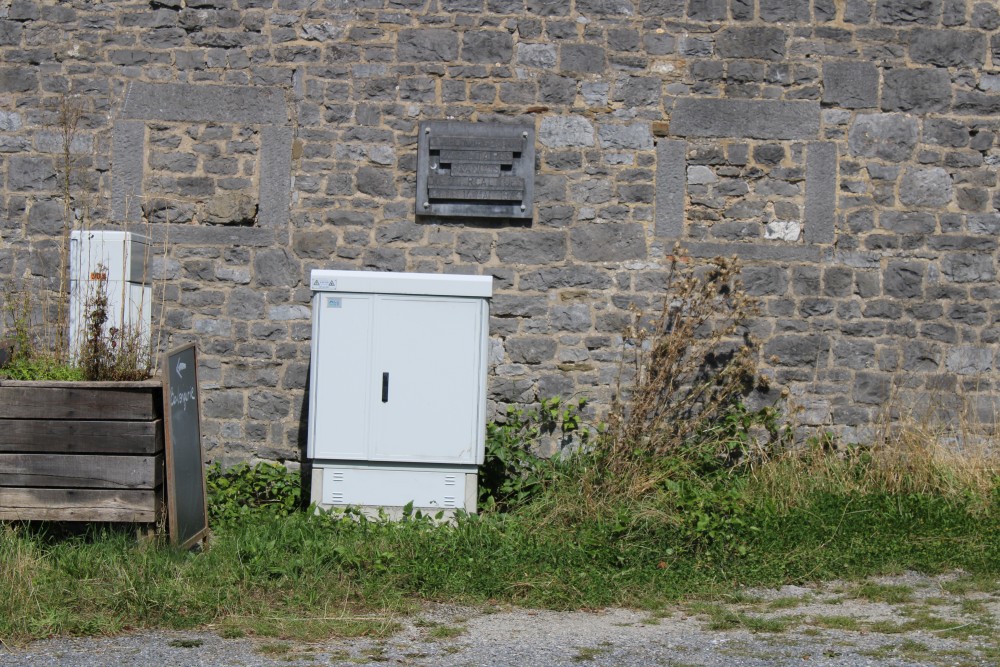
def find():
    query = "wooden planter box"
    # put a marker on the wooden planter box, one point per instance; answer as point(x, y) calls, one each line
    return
point(81, 451)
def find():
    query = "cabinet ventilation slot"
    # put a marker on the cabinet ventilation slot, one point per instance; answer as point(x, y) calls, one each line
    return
point(336, 498)
point(449, 480)
point(449, 501)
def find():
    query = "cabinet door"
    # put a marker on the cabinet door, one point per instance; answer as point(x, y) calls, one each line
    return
point(341, 386)
point(427, 398)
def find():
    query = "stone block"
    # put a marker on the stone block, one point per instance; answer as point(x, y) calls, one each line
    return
point(10, 121)
point(608, 242)
point(542, 56)
point(575, 317)
point(511, 390)
point(562, 277)
point(856, 354)
point(276, 268)
point(921, 91)
point(231, 208)
point(205, 103)
point(530, 350)
point(764, 280)
point(904, 12)
point(384, 259)
point(986, 16)
point(945, 132)
point(566, 131)
point(701, 175)
point(624, 39)
point(427, 45)
point(808, 350)
point(908, 222)
point(614, 8)
point(757, 43)
point(850, 84)
point(926, 187)
point(671, 163)
point(891, 137)
point(785, 11)
point(821, 192)
point(661, 8)
point(965, 268)
point(223, 405)
point(749, 119)
point(31, 174)
point(582, 58)
point(531, 247)
point(639, 91)
point(707, 10)
point(46, 216)
point(21, 79)
point(314, 244)
point(268, 406)
point(969, 360)
point(376, 182)
point(487, 46)
point(948, 48)
point(871, 389)
point(904, 279)
point(626, 137)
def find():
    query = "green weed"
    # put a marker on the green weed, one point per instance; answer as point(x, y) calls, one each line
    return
point(889, 593)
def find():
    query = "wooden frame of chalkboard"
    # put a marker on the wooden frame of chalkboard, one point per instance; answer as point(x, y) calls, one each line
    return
point(187, 500)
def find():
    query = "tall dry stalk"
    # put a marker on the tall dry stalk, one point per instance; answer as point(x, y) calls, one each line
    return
point(70, 113)
point(684, 367)
point(924, 450)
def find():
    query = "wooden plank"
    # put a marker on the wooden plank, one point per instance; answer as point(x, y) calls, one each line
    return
point(80, 437)
point(79, 505)
point(81, 471)
point(80, 402)
point(153, 384)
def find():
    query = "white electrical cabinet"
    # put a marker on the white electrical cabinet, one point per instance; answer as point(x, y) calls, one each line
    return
point(117, 263)
point(398, 388)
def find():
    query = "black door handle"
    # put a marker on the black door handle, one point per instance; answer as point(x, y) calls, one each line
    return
point(385, 387)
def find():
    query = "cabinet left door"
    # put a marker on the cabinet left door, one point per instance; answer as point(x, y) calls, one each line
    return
point(341, 376)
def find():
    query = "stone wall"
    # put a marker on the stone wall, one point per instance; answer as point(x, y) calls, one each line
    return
point(846, 150)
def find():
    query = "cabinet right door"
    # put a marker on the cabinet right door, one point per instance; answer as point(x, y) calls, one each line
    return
point(426, 393)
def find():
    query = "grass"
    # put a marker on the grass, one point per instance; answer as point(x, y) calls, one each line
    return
point(306, 576)
point(888, 593)
point(588, 653)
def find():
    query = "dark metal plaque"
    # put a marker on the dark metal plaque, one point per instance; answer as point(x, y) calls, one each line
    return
point(475, 170)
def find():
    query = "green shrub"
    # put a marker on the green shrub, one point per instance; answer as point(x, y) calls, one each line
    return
point(241, 490)
point(513, 472)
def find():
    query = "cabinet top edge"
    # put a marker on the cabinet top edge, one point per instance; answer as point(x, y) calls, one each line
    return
point(378, 282)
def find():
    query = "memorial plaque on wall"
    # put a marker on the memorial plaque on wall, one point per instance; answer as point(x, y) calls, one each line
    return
point(475, 170)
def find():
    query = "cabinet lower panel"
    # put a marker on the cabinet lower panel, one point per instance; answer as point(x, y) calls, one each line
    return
point(428, 488)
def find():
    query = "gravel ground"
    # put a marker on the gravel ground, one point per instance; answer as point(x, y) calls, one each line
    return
point(905, 620)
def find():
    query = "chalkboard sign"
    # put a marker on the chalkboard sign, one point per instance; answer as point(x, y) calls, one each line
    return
point(187, 513)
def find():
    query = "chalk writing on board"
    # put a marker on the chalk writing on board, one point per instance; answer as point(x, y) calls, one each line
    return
point(181, 398)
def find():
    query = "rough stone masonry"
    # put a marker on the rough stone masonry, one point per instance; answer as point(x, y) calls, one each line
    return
point(846, 150)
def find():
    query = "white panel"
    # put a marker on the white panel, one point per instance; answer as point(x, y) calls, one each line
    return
point(341, 376)
point(379, 487)
point(431, 348)
point(379, 282)
point(114, 262)
point(123, 255)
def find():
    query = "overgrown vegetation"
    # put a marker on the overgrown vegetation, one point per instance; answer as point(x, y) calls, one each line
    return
point(38, 346)
point(105, 353)
point(626, 515)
